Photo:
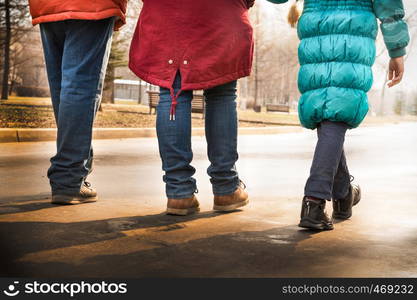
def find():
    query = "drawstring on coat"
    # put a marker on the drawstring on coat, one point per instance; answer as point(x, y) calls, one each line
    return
point(174, 102)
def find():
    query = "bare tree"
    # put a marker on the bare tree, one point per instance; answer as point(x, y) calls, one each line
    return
point(6, 64)
point(117, 59)
point(275, 65)
point(13, 24)
point(120, 49)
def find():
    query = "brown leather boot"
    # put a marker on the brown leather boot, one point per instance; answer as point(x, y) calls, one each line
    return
point(183, 207)
point(231, 202)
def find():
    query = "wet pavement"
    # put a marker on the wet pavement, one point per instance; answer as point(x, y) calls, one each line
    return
point(126, 234)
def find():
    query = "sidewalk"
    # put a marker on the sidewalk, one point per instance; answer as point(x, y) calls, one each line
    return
point(16, 135)
point(126, 234)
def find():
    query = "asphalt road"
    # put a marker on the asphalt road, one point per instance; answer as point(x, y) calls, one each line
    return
point(126, 234)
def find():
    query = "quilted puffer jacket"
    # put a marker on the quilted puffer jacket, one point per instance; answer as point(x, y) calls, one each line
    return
point(336, 53)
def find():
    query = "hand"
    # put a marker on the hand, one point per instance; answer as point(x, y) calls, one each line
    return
point(396, 71)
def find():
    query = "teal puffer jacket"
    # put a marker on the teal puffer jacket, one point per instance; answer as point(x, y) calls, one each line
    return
point(336, 53)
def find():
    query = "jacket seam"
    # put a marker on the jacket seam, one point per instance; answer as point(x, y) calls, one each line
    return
point(334, 86)
point(328, 34)
point(335, 61)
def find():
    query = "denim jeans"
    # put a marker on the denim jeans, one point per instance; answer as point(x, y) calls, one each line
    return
point(174, 137)
point(329, 174)
point(76, 56)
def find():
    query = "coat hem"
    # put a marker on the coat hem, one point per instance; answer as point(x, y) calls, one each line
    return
point(72, 15)
point(191, 86)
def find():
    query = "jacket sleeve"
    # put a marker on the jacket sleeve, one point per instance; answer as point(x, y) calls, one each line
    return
point(393, 27)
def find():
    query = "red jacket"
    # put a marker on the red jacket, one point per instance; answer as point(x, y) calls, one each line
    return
point(57, 10)
point(208, 41)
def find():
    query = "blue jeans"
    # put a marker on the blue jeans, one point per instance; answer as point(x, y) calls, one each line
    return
point(329, 174)
point(76, 56)
point(174, 137)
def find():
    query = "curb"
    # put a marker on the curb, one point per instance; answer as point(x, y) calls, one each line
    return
point(17, 135)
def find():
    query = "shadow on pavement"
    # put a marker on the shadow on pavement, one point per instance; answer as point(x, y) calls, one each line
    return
point(18, 204)
point(269, 253)
point(20, 238)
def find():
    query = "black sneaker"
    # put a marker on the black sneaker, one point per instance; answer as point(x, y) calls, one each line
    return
point(313, 215)
point(342, 208)
point(85, 195)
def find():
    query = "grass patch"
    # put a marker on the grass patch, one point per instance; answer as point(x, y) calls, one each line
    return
point(112, 116)
point(22, 112)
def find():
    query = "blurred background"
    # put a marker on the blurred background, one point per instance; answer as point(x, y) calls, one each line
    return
point(269, 96)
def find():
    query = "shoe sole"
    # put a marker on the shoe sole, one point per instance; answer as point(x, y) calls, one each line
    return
point(315, 226)
point(232, 207)
point(342, 216)
point(182, 212)
point(68, 200)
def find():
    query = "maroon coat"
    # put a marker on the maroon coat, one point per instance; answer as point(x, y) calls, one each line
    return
point(209, 42)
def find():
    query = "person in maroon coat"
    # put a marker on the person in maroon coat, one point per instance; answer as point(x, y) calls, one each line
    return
point(187, 45)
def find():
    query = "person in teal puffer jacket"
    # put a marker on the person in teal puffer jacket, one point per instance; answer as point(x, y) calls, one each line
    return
point(336, 53)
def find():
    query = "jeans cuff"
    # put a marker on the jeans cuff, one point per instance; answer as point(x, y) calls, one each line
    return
point(181, 196)
point(223, 191)
point(184, 194)
point(70, 192)
point(318, 196)
point(321, 189)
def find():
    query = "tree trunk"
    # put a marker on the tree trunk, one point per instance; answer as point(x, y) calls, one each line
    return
point(112, 93)
point(140, 92)
point(108, 91)
point(256, 104)
point(6, 64)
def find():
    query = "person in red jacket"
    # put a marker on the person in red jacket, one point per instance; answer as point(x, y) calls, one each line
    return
point(76, 37)
point(188, 45)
